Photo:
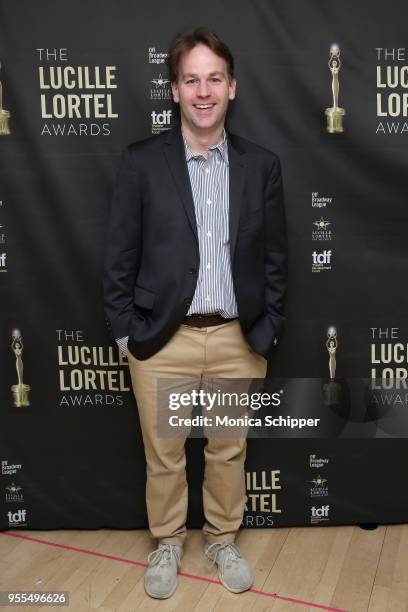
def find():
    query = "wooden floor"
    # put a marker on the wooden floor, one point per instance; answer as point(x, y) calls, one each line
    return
point(312, 568)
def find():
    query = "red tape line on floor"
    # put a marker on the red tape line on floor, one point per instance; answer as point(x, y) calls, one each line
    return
point(185, 574)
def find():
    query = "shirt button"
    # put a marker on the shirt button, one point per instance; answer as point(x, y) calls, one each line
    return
point(207, 170)
point(208, 298)
point(208, 266)
point(209, 234)
point(209, 201)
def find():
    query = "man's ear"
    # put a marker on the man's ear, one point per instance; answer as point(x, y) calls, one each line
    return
point(232, 89)
point(175, 91)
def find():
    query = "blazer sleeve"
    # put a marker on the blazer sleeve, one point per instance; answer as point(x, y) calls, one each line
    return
point(122, 247)
point(276, 247)
point(263, 334)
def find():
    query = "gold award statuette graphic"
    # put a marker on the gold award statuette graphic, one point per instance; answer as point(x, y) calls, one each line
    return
point(20, 390)
point(4, 114)
point(331, 345)
point(335, 114)
point(331, 390)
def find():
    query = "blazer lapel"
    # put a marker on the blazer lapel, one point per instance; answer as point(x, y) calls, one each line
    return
point(237, 173)
point(176, 159)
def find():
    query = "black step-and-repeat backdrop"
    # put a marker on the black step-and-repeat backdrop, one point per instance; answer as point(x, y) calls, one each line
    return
point(82, 80)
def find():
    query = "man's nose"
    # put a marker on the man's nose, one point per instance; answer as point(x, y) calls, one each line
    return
point(203, 90)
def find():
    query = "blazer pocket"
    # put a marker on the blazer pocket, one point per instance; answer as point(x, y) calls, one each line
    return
point(144, 297)
point(254, 218)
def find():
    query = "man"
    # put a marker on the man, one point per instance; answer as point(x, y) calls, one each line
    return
point(195, 278)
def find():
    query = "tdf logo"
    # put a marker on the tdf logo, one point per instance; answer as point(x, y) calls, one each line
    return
point(322, 512)
point(16, 518)
point(163, 118)
point(321, 258)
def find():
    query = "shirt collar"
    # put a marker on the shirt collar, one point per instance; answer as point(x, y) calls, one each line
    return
point(221, 146)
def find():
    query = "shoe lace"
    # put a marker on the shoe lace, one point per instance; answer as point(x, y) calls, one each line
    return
point(232, 552)
point(163, 555)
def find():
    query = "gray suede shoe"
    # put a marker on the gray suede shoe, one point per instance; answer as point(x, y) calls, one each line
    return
point(160, 579)
point(233, 570)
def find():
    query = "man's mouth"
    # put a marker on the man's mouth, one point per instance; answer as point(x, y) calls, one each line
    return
point(203, 106)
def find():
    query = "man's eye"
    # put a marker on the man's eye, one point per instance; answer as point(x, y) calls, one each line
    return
point(190, 81)
point(216, 80)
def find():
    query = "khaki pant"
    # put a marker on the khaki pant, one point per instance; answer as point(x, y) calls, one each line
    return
point(194, 355)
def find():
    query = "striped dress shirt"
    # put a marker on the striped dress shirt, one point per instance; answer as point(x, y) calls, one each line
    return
point(209, 180)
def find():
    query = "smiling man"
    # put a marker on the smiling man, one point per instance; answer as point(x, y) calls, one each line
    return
point(203, 88)
point(194, 285)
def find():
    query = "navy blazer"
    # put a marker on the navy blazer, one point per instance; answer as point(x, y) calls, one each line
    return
point(152, 254)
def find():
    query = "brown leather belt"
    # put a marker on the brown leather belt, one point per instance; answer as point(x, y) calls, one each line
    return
point(205, 320)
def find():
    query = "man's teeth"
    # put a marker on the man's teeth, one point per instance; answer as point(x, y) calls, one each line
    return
point(203, 105)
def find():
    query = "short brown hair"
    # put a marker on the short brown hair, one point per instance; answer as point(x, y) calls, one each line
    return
point(185, 42)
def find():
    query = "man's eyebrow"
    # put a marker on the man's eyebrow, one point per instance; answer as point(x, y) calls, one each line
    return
point(192, 74)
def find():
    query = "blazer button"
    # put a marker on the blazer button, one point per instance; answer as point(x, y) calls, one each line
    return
point(187, 301)
point(192, 270)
